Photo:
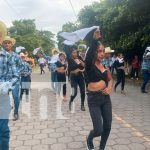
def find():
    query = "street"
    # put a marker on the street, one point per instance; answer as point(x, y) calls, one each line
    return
point(40, 128)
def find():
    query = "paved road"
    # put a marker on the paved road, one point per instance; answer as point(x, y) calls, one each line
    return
point(39, 128)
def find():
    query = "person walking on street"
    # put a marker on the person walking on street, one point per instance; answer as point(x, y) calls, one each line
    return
point(76, 69)
point(42, 62)
point(16, 90)
point(9, 76)
point(25, 77)
point(53, 68)
point(99, 86)
point(120, 68)
point(107, 61)
point(61, 75)
point(145, 70)
point(135, 68)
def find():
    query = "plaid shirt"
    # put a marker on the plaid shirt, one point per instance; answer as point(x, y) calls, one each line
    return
point(107, 62)
point(18, 61)
point(8, 69)
point(27, 70)
point(145, 63)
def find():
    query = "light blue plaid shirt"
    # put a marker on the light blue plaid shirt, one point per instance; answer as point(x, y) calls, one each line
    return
point(18, 61)
point(15, 58)
point(145, 63)
point(8, 69)
point(107, 62)
point(27, 69)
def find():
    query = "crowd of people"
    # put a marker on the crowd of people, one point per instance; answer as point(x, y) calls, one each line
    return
point(90, 72)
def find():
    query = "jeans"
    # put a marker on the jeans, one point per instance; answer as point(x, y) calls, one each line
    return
point(100, 109)
point(4, 116)
point(75, 81)
point(54, 80)
point(4, 134)
point(146, 77)
point(16, 97)
point(120, 79)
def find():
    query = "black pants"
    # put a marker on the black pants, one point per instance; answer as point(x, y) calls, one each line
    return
point(120, 79)
point(42, 68)
point(75, 81)
point(134, 73)
point(100, 109)
point(61, 83)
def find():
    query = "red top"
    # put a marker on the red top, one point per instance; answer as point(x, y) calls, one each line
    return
point(135, 63)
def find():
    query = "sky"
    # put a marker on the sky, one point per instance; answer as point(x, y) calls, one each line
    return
point(49, 14)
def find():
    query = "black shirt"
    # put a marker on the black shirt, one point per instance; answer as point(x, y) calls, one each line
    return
point(59, 64)
point(61, 77)
point(92, 73)
point(118, 64)
point(72, 65)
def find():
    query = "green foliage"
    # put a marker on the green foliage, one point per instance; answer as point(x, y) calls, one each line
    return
point(26, 35)
point(125, 24)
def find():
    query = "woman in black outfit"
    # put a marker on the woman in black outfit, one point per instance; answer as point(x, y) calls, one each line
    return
point(61, 74)
point(99, 86)
point(76, 68)
point(120, 67)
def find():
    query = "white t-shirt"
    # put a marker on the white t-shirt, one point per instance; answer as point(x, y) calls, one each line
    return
point(41, 60)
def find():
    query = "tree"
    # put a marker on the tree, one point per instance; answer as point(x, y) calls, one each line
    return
point(26, 35)
point(124, 24)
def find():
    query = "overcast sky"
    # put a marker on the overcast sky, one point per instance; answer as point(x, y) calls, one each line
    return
point(49, 14)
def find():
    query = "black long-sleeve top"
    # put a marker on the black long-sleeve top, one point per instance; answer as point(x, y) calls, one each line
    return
point(92, 73)
point(72, 65)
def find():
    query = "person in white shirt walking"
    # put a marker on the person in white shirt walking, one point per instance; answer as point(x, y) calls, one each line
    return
point(42, 63)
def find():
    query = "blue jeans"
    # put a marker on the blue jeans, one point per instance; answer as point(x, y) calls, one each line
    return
point(54, 80)
point(146, 77)
point(4, 115)
point(4, 134)
point(16, 97)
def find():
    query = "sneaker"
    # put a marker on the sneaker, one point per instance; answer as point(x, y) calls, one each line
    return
point(137, 78)
point(132, 78)
point(90, 145)
point(82, 108)
point(16, 117)
point(70, 104)
point(122, 92)
point(64, 98)
point(144, 92)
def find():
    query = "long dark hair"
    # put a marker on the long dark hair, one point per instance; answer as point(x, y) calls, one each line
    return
point(96, 52)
